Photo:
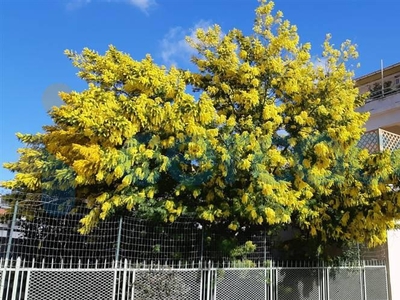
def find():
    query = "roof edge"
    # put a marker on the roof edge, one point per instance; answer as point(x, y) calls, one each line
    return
point(378, 71)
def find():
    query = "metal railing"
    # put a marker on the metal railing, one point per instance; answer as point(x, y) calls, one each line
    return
point(378, 92)
point(134, 281)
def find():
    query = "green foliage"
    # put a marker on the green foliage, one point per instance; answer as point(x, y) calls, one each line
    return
point(161, 285)
point(242, 250)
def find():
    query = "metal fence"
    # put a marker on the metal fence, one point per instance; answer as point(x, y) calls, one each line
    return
point(134, 281)
point(130, 258)
point(45, 232)
point(377, 92)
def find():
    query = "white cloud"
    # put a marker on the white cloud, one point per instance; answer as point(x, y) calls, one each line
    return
point(320, 62)
point(174, 47)
point(143, 5)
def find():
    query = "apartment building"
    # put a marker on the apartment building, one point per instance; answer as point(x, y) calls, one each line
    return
point(384, 100)
point(383, 132)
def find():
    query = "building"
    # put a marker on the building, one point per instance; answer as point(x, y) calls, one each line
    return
point(384, 101)
point(383, 132)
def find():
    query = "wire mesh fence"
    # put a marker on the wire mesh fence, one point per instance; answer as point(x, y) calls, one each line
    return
point(131, 258)
point(47, 230)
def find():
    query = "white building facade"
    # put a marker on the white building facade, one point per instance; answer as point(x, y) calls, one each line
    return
point(383, 132)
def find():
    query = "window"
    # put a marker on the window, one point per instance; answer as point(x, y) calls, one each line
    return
point(397, 80)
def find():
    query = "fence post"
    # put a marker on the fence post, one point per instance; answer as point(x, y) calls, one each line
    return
point(117, 249)
point(265, 247)
point(328, 273)
point(364, 281)
point(270, 281)
point(3, 279)
point(16, 278)
point(201, 281)
point(319, 281)
point(124, 278)
point(264, 265)
point(380, 140)
point(28, 278)
point(203, 285)
point(202, 246)
point(115, 281)
point(8, 251)
point(12, 231)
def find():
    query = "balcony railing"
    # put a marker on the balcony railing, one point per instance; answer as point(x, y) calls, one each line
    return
point(379, 140)
point(389, 88)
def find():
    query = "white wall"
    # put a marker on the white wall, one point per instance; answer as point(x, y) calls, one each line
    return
point(394, 262)
point(384, 112)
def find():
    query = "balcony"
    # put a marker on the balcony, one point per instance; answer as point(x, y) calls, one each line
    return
point(379, 140)
point(378, 93)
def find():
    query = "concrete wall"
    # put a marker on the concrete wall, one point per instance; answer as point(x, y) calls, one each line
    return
point(394, 263)
point(384, 113)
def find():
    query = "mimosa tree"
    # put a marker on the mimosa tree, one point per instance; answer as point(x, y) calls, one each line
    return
point(267, 137)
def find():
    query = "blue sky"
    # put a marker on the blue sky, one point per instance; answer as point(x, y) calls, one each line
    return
point(34, 34)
